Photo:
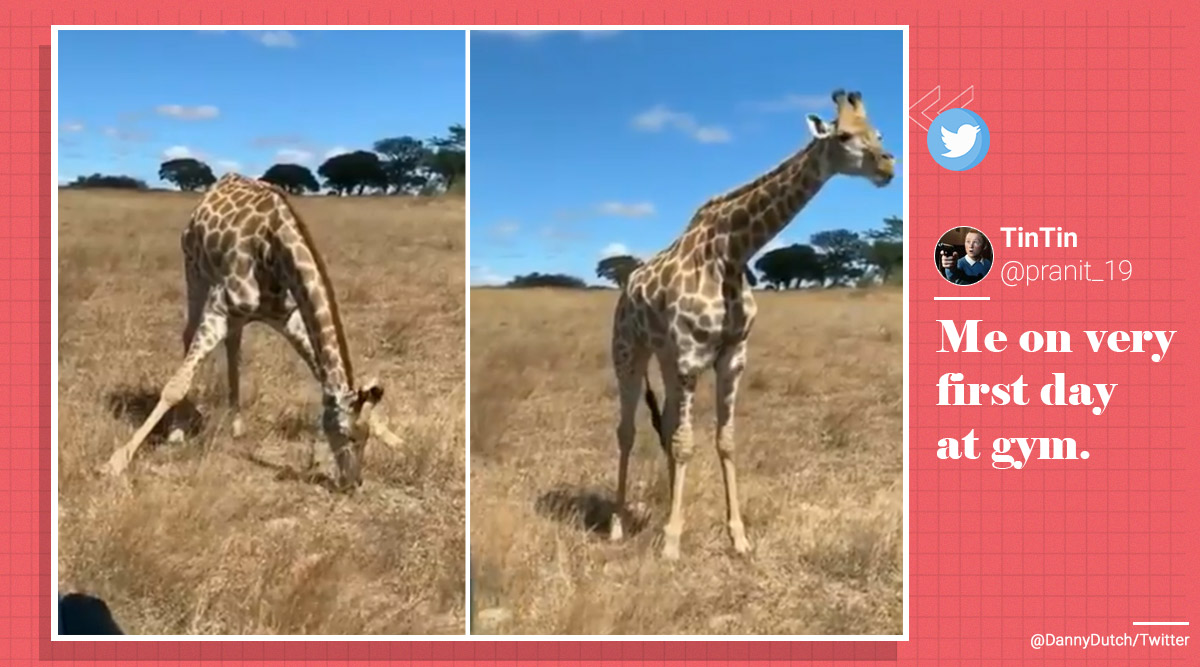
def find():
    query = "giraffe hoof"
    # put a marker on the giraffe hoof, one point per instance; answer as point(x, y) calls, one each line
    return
point(175, 437)
point(616, 533)
point(239, 429)
point(741, 547)
point(111, 468)
point(670, 550)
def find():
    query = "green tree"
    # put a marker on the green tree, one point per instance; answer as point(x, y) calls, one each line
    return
point(617, 268)
point(404, 161)
point(447, 159)
point(536, 279)
point(353, 172)
point(186, 173)
point(294, 178)
point(791, 265)
point(844, 254)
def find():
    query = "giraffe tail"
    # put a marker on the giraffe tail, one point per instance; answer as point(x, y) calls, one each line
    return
point(656, 418)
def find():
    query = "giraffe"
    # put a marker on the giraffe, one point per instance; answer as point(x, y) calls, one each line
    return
point(248, 257)
point(691, 306)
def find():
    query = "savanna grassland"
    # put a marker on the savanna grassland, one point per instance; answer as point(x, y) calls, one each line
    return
point(820, 474)
point(213, 536)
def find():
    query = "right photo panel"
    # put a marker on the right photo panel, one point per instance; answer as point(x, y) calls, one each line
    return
point(687, 382)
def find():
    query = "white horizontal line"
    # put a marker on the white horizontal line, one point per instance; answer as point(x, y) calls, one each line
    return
point(1161, 623)
point(962, 298)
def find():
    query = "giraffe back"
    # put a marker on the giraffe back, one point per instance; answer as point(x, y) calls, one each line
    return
point(245, 234)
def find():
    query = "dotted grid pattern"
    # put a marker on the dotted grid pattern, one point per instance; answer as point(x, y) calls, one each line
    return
point(1070, 547)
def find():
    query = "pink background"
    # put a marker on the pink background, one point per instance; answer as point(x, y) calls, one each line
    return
point(1088, 109)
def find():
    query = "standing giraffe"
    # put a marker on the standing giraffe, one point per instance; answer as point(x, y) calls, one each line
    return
point(248, 257)
point(692, 307)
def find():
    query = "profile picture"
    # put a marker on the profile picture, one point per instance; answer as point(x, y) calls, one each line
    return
point(964, 255)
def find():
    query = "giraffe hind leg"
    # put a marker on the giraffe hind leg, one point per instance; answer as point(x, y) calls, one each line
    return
point(630, 363)
point(233, 358)
point(210, 332)
point(197, 298)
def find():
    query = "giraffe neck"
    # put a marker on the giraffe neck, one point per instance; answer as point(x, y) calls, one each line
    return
point(750, 216)
point(318, 307)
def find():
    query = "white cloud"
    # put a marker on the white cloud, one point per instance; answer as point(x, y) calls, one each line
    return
point(534, 35)
point(482, 275)
point(792, 102)
point(178, 152)
point(72, 127)
point(270, 38)
point(224, 166)
point(293, 155)
point(336, 150)
point(622, 210)
point(660, 117)
point(274, 38)
point(505, 228)
point(614, 249)
point(203, 112)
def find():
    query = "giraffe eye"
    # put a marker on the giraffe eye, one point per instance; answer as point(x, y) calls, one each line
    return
point(844, 136)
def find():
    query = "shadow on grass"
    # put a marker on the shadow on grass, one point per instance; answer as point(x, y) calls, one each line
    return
point(133, 404)
point(587, 509)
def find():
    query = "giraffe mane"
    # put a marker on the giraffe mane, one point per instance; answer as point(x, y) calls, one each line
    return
point(323, 273)
point(752, 185)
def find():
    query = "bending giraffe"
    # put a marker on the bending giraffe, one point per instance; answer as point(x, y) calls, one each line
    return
point(248, 257)
point(691, 305)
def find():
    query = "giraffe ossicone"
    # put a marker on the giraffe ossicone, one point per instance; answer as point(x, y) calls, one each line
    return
point(248, 257)
point(691, 305)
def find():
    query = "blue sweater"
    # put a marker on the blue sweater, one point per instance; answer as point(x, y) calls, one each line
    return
point(965, 273)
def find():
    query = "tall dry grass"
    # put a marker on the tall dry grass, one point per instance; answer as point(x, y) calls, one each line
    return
point(820, 461)
point(212, 536)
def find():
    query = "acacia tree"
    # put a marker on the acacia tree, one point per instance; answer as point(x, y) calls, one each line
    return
point(353, 171)
point(617, 268)
point(294, 178)
point(404, 160)
point(186, 173)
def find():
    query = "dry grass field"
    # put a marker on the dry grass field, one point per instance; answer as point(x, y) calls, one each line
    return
point(212, 535)
point(820, 463)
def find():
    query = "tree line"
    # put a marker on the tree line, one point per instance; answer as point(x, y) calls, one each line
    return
point(395, 165)
point(837, 257)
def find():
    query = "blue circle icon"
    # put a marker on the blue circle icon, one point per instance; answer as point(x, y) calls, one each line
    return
point(958, 139)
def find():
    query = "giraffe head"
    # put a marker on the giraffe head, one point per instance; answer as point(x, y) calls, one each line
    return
point(851, 143)
point(349, 425)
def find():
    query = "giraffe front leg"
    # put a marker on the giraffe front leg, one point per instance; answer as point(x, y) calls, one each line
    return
point(233, 357)
point(209, 334)
point(729, 368)
point(681, 451)
point(294, 331)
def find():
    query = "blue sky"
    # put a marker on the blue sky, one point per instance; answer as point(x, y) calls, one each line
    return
point(244, 100)
point(591, 143)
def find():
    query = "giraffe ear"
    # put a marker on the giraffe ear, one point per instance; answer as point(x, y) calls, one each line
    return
point(819, 128)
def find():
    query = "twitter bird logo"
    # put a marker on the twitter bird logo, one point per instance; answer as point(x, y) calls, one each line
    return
point(958, 139)
point(959, 142)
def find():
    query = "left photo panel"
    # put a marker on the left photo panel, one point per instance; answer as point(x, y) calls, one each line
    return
point(261, 329)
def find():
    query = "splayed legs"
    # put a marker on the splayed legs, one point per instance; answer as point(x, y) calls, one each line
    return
point(211, 331)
